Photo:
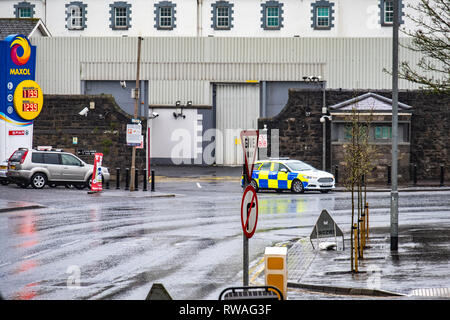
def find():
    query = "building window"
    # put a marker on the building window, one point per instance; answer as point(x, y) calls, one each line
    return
point(383, 133)
point(76, 15)
point(222, 15)
point(223, 18)
point(387, 12)
point(165, 15)
point(272, 15)
point(24, 10)
point(322, 15)
point(120, 16)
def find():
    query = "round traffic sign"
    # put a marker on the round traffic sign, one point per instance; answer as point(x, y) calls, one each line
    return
point(249, 211)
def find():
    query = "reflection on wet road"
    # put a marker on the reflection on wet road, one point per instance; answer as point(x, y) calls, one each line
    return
point(110, 247)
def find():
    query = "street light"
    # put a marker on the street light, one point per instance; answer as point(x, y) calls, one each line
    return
point(324, 138)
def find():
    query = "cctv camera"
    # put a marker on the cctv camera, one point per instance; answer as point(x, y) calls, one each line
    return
point(123, 84)
point(155, 114)
point(84, 112)
point(322, 119)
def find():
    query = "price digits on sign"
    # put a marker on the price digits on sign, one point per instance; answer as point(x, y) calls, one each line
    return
point(30, 107)
point(30, 93)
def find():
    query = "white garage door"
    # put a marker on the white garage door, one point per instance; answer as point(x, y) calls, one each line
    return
point(237, 108)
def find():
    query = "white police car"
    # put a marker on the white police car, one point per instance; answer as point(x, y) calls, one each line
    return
point(294, 175)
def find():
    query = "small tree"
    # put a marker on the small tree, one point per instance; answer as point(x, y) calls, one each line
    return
point(358, 155)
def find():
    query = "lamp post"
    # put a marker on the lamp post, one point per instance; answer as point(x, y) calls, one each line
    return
point(136, 104)
point(324, 144)
point(394, 170)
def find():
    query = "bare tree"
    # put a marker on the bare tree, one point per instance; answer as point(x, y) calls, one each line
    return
point(432, 39)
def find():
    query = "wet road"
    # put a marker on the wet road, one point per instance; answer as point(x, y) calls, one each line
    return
point(113, 247)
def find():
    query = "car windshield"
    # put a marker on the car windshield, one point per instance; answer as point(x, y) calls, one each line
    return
point(299, 166)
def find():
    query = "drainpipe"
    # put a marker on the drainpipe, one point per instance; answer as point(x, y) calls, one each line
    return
point(199, 18)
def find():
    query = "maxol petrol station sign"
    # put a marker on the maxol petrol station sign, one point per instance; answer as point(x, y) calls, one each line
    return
point(21, 98)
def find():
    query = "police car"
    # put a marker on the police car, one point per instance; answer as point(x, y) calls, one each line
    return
point(294, 175)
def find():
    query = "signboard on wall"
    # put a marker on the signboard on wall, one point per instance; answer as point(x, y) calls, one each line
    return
point(21, 98)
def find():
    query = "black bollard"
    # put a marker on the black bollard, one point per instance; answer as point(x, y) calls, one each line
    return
point(336, 174)
point(153, 181)
point(442, 176)
point(144, 180)
point(117, 178)
point(127, 179)
point(136, 179)
point(415, 174)
point(389, 175)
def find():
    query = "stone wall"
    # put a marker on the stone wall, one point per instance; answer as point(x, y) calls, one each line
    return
point(103, 129)
point(301, 135)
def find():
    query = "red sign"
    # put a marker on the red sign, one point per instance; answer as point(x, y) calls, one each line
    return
point(96, 184)
point(17, 132)
point(249, 141)
point(249, 211)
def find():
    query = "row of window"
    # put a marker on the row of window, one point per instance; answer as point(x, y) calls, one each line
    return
point(379, 132)
point(222, 14)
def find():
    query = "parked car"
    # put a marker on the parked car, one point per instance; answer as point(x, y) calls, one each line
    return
point(294, 175)
point(55, 167)
point(3, 169)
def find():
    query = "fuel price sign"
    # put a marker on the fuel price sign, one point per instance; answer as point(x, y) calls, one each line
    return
point(28, 99)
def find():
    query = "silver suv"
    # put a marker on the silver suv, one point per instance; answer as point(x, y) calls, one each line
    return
point(38, 168)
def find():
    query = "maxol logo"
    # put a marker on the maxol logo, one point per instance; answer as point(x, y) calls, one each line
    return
point(20, 51)
point(16, 72)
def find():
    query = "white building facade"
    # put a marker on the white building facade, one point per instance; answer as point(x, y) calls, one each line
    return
point(233, 18)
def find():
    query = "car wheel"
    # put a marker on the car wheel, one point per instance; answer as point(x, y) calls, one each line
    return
point(4, 182)
point(254, 184)
point(38, 180)
point(297, 186)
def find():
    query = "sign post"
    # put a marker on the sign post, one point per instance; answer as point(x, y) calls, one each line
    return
point(249, 203)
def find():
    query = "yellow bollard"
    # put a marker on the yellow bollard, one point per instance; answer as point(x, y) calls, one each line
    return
point(355, 238)
point(276, 268)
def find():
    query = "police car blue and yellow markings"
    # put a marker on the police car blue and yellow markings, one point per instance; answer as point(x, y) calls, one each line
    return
point(272, 179)
point(275, 179)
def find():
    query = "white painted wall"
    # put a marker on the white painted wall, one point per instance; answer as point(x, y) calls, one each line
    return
point(353, 18)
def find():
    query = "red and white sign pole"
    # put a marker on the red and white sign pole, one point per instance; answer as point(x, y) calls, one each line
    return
point(249, 203)
point(96, 185)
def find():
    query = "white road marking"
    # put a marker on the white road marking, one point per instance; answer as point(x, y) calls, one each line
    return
point(198, 185)
point(69, 243)
point(4, 264)
point(35, 254)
